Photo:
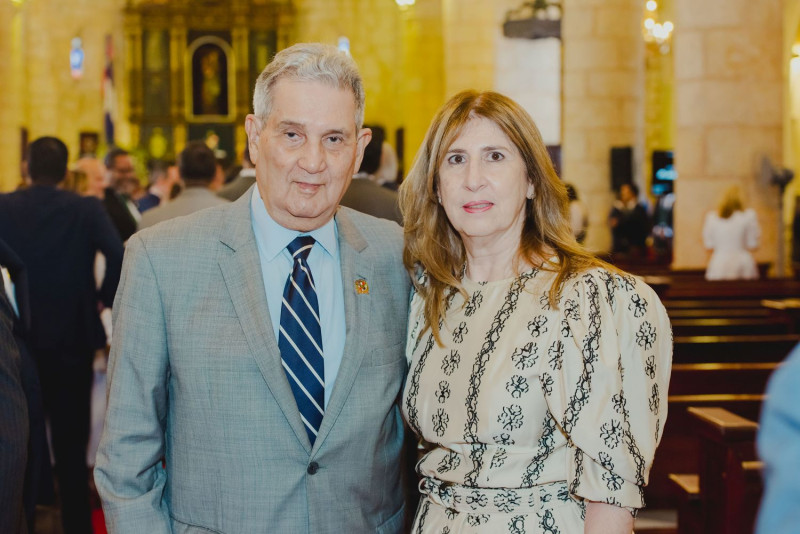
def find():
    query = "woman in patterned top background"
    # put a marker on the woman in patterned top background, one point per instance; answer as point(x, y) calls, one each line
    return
point(538, 374)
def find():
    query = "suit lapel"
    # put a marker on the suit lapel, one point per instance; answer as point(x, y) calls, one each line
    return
point(241, 270)
point(357, 309)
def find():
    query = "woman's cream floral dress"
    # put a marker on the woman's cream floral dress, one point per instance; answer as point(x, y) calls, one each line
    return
point(530, 410)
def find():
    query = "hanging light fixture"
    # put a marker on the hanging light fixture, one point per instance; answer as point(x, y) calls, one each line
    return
point(655, 31)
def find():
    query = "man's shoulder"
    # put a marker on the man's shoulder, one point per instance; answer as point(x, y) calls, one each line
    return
point(183, 205)
point(372, 228)
point(197, 228)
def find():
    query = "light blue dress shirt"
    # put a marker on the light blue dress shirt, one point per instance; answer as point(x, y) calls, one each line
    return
point(326, 269)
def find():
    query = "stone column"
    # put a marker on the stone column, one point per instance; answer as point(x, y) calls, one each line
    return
point(43, 81)
point(422, 73)
point(603, 101)
point(469, 38)
point(11, 113)
point(729, 113)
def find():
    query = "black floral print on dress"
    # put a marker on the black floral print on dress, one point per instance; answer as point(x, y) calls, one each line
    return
point(525, 357)
point(517, 385)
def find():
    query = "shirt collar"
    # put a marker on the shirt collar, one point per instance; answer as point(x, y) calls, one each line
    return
point(276, 237)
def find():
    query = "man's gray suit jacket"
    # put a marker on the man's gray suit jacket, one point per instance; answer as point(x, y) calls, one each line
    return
point(195, 378)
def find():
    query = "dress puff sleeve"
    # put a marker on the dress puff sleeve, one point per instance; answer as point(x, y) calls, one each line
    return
point(608, 392)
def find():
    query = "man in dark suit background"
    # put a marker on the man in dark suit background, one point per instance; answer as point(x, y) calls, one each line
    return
point(56, 235)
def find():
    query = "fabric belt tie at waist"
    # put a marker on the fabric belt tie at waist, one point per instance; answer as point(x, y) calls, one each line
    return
point(495, 500)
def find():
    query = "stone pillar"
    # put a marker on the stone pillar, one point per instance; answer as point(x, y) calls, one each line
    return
point(43, 81)
point(603, 100)
point(422, 73)
point(729, 113)
point(11, 114)
point(469, 39)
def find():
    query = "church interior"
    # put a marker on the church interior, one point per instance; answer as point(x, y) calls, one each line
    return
point(680, 98)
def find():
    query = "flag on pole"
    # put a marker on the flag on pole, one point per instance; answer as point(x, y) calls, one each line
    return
point(109, 98)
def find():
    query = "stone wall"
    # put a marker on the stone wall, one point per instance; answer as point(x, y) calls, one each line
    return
point(729, 113)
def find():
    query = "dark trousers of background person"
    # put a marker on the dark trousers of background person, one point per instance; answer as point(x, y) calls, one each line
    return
point(39, 473)
point(66, 381)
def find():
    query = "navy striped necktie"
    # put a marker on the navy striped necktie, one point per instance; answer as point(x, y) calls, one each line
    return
point(300, 338)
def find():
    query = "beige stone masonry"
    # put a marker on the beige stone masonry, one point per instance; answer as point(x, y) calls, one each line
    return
point(729, 113)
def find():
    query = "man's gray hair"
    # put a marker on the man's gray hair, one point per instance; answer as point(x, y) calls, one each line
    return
point(310, 62)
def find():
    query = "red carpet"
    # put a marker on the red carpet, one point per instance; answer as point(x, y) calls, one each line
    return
point(98, 522)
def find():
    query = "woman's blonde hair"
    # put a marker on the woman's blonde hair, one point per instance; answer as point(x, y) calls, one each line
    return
point(731, 202)
point(432, 244)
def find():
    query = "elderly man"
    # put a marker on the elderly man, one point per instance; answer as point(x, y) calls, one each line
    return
point(259, 346)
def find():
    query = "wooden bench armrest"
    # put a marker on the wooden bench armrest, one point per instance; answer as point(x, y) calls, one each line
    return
point(723, 425)
point(688, 483)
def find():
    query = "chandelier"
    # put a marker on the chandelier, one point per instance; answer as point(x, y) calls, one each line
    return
point(659, 33)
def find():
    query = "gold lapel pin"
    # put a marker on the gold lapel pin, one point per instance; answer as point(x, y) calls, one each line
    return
point(362, 288)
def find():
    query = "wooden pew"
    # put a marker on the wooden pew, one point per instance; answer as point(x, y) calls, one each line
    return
point(719, 378)
point(719, 312)
point(723, 495)
point(679, 450)
point(696, 303)
point(732, 290)
point(753, 348)
point(726, 326)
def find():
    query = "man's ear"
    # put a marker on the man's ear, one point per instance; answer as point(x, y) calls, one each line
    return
point(252, 125)
point(364, 137)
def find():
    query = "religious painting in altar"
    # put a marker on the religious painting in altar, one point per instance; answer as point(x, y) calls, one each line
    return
point(210, 68)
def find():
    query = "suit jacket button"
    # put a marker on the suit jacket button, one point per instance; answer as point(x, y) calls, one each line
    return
point(313, 467)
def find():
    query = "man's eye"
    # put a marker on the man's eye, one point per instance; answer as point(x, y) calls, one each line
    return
point(291, 135)
point(335, 139)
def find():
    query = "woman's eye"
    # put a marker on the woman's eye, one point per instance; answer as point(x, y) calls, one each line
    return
point(455, 159)
point(496, 156)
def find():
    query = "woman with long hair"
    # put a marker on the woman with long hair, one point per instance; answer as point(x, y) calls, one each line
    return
point(730, 233)
point(538, 374)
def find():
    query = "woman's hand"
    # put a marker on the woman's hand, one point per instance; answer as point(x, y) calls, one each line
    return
point(602, 518)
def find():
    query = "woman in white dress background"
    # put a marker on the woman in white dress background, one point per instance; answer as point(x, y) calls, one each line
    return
point(730, 233)
point(538, 375)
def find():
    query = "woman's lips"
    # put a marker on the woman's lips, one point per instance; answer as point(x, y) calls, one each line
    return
point(477, 207)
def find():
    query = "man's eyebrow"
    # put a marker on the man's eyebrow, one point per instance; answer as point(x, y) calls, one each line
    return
point(285, 123)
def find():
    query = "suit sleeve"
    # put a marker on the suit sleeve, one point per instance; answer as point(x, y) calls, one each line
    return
point(108, 242)
point(13, 423)
point(129, 474)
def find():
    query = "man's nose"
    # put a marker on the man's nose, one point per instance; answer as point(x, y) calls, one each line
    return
point(312, 160)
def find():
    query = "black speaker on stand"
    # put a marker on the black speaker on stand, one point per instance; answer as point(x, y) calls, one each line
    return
point(621, 166)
